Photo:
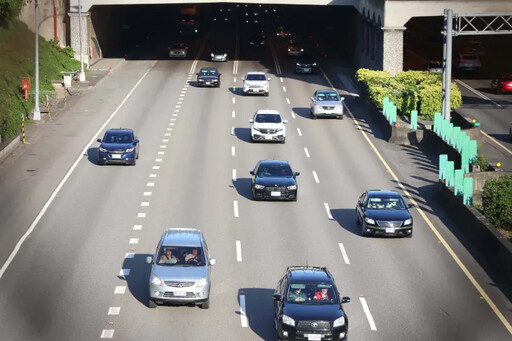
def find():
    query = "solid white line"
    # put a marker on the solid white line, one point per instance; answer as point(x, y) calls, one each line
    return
point(306, 151)
point(368, 314)
point(476, 92)
point(281, 79)
point(124, 272)
point(344, 253)
point(150, 184)
point(232, 130)
point(316, 177)
point(298, 131)
point(243, 316)
point(235, 208)
point(141, 215)
point(193, 67)
point(120, 290)
point(233, 174)
point(114, 310)
point(107, 334)
point(496, 142)
point(65, 178)
point(137, 227)
point(293, 114)
point(328, 210)
point(233, 114)
point(233, 151)
point(238, 251)
point(287, 100)
point(133, 241)
point(147, 194)
point(233, 100)
point(284, 89)
point(144, 203)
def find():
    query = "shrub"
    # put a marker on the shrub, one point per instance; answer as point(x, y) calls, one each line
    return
point(497, 201)
point(482, 162)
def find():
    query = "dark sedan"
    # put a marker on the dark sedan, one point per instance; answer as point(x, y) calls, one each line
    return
point(274, 179)
point(208, 76)
point(384, 213)
point(118, 146)
point(502, 84)
point(305, 64)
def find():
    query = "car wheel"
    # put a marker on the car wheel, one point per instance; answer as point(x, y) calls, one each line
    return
point(205, 305)
point(218, 85)
point(358, 222)
point(363, 232)
point(152, 304)
point(340, 117)
point(254, 196)
point(283, 141)
point(313, 117)
point(266, 94)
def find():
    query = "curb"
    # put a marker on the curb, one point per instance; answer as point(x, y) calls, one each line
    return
point(9, 148)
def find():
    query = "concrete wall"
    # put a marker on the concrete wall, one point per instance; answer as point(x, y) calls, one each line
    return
point(46, 22)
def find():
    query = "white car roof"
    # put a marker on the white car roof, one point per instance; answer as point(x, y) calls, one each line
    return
point(255, 73)
point(267, 111)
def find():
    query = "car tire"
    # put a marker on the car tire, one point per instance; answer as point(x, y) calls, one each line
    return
point(283, 141)
point(254, 196)
point(340, 117)
point(266, 94)
point(152, 304)
point(313, 116)
point(218, 85)
point(205, 305)
point(363, 233)
point(358, 222)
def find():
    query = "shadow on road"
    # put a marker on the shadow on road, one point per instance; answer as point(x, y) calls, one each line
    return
point(243, 187)
point(302, 112)
point(243, 134)
point(346, 219)
point(137, 280)
point(259, 311)
point(92, 155)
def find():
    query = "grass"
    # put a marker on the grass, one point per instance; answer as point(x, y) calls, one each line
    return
point(17, 60)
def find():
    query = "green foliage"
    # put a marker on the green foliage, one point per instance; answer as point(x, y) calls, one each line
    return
point(482, 162)
point(497, 201)
point(17, 61)
point(10, 9)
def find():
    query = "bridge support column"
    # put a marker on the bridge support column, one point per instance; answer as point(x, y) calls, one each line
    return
point(74, 35)
point(393, 49)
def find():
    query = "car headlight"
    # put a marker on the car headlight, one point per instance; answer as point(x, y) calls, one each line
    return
point(289, 50)
point(129, 150)
point(288, 320)
point(297, 64)
point(257, 129)
point(314, 64)
point(211, 54)
point(279, 129)
point(225, 55)
point(318, 107)
point(339, 322)
point(408, 221)
point(291, 187)
point(301, 50)
point(156, 281)
point(103, 150)
point(258, 186)
point(369, 221)
point(202, 282)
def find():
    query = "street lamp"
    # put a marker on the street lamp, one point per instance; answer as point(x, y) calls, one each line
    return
point(37, 112)
point(82, 73)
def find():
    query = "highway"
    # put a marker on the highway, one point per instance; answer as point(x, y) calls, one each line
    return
point(81, 272)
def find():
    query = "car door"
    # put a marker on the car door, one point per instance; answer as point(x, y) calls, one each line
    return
point(360, 206)
point(312, 102)
point(253, 173)
point(278, 304)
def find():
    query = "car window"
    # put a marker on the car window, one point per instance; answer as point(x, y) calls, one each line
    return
point(312, 293)
point(274, 170)
point(118, 137)
point(268, 118)
point(256, 77)
point(386, 203)
point(327, 96)
point(169, 255)
point(208, 73)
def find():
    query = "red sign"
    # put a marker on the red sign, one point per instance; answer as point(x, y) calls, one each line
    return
point(25, 83)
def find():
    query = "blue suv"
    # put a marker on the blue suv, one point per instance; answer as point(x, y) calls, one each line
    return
point(118, 146)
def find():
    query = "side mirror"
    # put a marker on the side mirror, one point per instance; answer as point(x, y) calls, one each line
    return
point(313, 99)
point(136, 141)
point(251, 172)
point(251, 121)
point(220, 74)
point(149, 260)
point(285, 121)
point(342, 99)
point(277, 297)
point(345, 300)
point(411, 205)
point(197, 73)
point(243, 78)
point(361, 204)
point(99, 140)
point(212, 261)
point(269, 79)
point(296, 174)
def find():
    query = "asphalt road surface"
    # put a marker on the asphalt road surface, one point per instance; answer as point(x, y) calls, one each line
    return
point(81, 272)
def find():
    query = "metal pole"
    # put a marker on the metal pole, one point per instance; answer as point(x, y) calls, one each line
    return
point(82, 73)
point(445, 34)
point(37, 112)
point(448, 90)
point(55, 35)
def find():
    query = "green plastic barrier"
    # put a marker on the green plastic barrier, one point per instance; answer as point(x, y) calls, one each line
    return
point(464, 161)
point(458, 182)
point(414, 119)
point(456, 134)
point(473, 150)
point(450, 173)
point(462, 136)
point(438, 122)
point(444, 128)
point(465, 142)
point(443, 159)
point(385, 102)
point(392, 119)
point(467, 195)
point(449, 133)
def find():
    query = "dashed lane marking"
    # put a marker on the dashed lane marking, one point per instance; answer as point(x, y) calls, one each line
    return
point(233, 114)
point(233, 100)
point(147, 194)
point(238, 251)
point(233, 151)
point(107, 333)
point(287, 100)
point(144, 203)
point(233, 174)
point(293, 114)
point(281, 79)
point(316, 177)
point(156, 167)
point(284, 89)
point(298, 131)
point(141, 215)
point(243, 316)
point(120, 290)
point(137, 227)
point(161, 152)
point(152, 175)
point(150, 184)
point(133, 241)
point(367, 313)
point(328, 210)
point(158, 160)
point(344, 253)
point(114, 310)
point(306, 151)
point(235, 208)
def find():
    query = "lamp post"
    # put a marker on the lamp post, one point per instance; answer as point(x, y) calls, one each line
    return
point(82, 73)
point(37, 112)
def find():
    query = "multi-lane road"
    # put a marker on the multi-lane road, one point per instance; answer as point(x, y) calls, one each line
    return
point(80, 271)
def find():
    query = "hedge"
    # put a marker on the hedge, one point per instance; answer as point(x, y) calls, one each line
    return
point(497, 201)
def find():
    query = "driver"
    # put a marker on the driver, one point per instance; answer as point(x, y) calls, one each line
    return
point(192, 257)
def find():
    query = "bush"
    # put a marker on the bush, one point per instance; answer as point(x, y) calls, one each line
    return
point(482, 162)
point(497, 201)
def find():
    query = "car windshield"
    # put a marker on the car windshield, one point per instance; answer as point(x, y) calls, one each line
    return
point(117, 137)
point(385, 203)
point(268, 118)
point(207, 72)
point(305, 60)
point(177, 46)
point(255, 77)
point(274, 170)
point(327, 96)
point(180, 256)
point(312, 293)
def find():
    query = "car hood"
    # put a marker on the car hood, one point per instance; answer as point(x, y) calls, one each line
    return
point(275, 181)
point(256, 82)
point(208, 77)
point(268, 125)
point(177, 50)
point(116, 146)
point(328, 103)
point(180, 273)
point(395, 215)
point(313, 312)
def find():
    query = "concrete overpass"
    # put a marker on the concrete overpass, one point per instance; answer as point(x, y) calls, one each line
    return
point(379, 30)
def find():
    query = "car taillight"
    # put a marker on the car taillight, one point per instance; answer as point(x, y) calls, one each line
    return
point(478, 62)
point(461, 61)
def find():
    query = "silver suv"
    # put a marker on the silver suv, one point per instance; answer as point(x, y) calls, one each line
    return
point(256, 83)
point(180, 269)
point(327, 103)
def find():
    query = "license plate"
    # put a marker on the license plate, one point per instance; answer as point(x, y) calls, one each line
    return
point(116, 156)
point(257, 90)
point(390, 230)
point(268, 137)
point(314, 336)
point(180, 293)
point(275, 194)
point(207, 83)
point(307, 70)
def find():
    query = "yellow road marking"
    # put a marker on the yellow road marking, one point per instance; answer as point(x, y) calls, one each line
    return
point(495, 141)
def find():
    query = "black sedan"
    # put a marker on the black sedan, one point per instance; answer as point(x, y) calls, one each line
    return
point(305, 64)
point(275, 180)
point(118, 146)
point(384, 213)
point(208, 76)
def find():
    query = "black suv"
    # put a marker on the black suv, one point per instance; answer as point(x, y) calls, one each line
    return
point(208, 76)
point(308, 306)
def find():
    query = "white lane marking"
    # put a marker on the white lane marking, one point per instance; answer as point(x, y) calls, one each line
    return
point(114, 310)
point(194, 64)
point(120, 290)
point(152, 175)
point(65, 178)
point(158, 160)
point(124, 272)
point(328, 210)
point(150, 184)
point(167, 134)
point(169, 129)
point(284, 89)
point(178, 106)
point(281, 79)
point(233, 114)
point(496, 142)
point(173, 119)
point(163, 146)
point(232, 130)
point(235, 68)
point(233, 175)
point(137, 227)
point(185, 86)
point(234, 79)
point(144, 203)
point(476, 92)
point(141, 215)
point(133, 241)
point(298, 131)
point(287, 100)
point(180, 102)
point(316, 177)
point(174, 115)
point(233, 100)
point(293, 114)
point(233, 152)
point(344, 253)
point(176, 110)
point(306, 151)
point(156, 167)
point(147, 194)
point(238, 251)
point(129, 255)
point(171, 124)
point(165, 140)
point(243, 316)
point(107, 334)
point(367, 313)
point(161, 152)
point(235, 208)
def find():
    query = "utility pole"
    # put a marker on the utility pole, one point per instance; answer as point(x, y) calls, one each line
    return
point(447, 62)
point(82, 73)
point(37, 112)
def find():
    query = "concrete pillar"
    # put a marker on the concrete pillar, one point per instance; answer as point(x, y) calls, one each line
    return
point(393, 47)
point(74, 35)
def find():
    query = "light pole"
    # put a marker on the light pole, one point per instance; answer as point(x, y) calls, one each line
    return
point(82, 73)
point(37, 112)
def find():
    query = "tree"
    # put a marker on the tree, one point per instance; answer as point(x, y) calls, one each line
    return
point(10, 9)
